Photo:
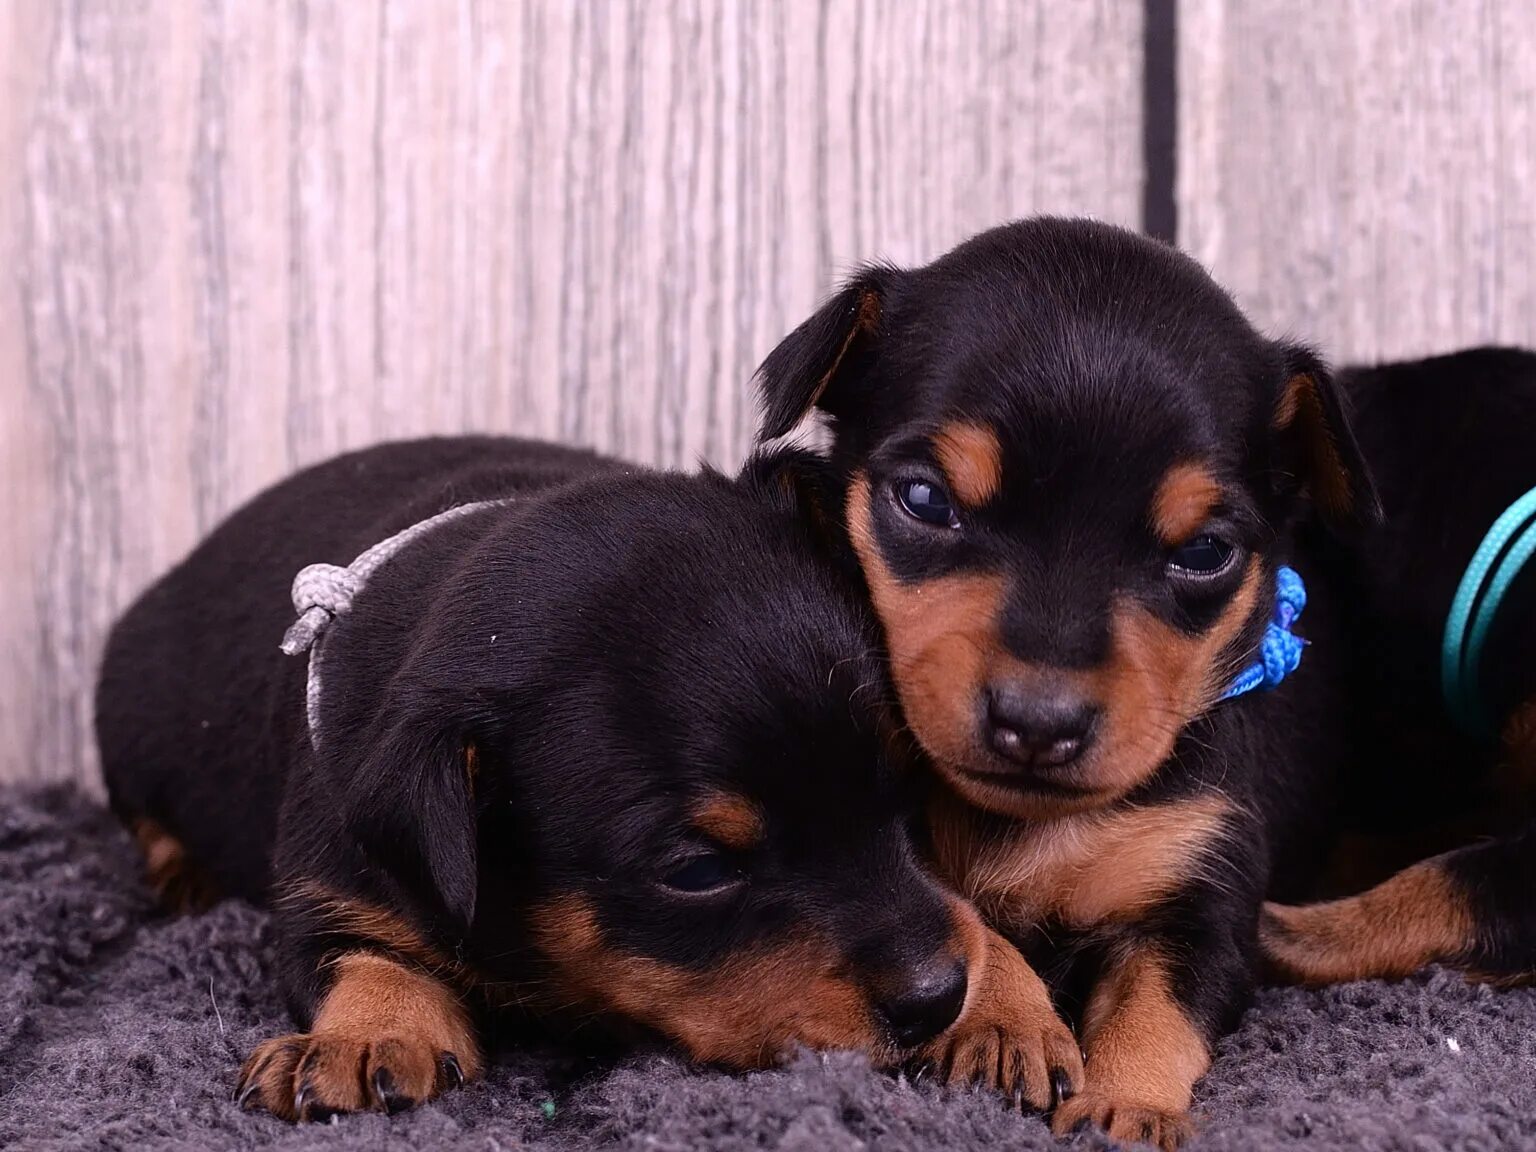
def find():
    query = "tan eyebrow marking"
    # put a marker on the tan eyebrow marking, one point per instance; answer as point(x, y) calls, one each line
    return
point(1185, 498)
point(731, 820)
point(972, 460)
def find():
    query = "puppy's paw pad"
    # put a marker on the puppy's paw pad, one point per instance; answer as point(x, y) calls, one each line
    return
point(1124, 1122)
point(319, 1075)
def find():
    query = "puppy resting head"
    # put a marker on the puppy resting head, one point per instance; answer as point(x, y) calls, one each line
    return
point(657, 777)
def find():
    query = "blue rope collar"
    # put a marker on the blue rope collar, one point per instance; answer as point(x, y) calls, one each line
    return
point(1280, 650)
point(1509, 545)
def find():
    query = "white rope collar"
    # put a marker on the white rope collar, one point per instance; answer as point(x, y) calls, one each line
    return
point(322, 592)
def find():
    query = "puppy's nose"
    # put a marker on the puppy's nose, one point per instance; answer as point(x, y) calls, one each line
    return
point(928, 1002)
point(1039, 727)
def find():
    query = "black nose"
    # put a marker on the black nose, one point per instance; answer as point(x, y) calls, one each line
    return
point(928, 1002)
point(1039, 727)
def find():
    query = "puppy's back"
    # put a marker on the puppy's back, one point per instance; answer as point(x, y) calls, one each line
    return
point(1451, 441)
point(198, 715)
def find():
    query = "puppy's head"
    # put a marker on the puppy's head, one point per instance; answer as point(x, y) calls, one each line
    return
point(1072, 465)
point(661, 777)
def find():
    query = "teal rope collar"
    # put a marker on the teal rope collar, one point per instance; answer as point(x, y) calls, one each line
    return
point(1280, 650)
point(1506, 549)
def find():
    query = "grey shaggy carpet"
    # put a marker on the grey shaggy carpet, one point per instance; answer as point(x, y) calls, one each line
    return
point(120, 1029)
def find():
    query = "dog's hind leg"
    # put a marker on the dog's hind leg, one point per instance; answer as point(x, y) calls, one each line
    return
point(179, 884)
point(1472, 909)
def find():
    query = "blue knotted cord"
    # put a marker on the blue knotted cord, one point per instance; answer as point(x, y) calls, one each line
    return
point(1280, 650)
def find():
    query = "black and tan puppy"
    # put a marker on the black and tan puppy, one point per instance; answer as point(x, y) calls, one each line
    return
point(1452, 442)
point(1072, 471)
point(605, 745)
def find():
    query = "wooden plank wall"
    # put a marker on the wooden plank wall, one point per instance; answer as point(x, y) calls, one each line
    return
point(1362, 173)
point(240, 235)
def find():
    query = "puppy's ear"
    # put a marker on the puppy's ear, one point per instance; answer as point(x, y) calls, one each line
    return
point(1316, 446)
point(810, 366)
point(800, 482)
point(412, 807)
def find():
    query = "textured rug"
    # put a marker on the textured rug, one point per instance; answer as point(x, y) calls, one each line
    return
point(121, 1029)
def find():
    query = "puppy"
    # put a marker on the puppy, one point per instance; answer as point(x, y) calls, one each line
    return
point(598, 745)
point(1452, 443)
point(1073, 471)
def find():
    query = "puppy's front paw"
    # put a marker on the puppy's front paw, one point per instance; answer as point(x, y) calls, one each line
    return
point(318, 1075)
point(1032, 1058)
point(1123, 1120)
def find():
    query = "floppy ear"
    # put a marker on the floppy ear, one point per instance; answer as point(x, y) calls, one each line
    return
point(412, 807)
point(806, 370)
point(805, 485)
point(1317, 448)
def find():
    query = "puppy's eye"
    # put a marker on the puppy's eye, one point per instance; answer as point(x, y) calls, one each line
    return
point(1205, 555)
point(706, 872)
point(926, 501)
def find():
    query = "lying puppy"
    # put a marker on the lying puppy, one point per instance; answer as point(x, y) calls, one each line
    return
point(1073, 474)
point(1452, 441)
point(596, 744)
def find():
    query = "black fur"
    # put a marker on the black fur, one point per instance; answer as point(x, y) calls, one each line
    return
point(1099, 359)
point(608, 648)
point(1452, 441)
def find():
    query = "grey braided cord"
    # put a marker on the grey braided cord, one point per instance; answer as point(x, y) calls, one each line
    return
point(322, 592)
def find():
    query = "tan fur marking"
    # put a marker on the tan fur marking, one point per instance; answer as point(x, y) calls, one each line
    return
point(377, 1014)
point(940, 634)
point(1519, 741)
point(1144, 1056)
point(1009, 1035)
point(1417, 917)
point(747, 1012)
point(1085, 869)
point(944, 648)
point(179, 884)
point(1289, 402)
point(1301, 407)
point(972, 460)
point(733, 821)
point(374, 995)
point(381, 925)
point(471, 763)
point(1139, 1040)
point(1183, 502)
point(1160, 679)
point(864, 322)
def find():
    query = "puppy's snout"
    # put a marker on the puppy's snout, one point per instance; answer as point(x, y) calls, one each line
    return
point(926, 1001)
point(1037, 726)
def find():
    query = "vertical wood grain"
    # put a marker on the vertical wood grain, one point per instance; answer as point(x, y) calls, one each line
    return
point(241, 236)
point(1361, 173)
point(26, 494)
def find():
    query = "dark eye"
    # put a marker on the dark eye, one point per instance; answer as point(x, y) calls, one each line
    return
point(1205, 555)
point(705, 872)
point(926, 501)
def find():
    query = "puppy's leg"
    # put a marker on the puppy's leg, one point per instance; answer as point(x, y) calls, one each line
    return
point(180, 886)
point(1009, 1035)
point(1472, 909)
point(388, 1023)
point(1144, 1051)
